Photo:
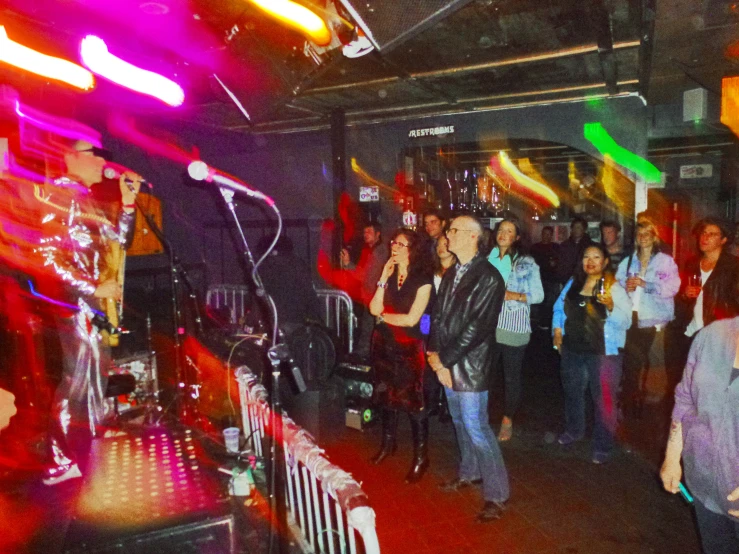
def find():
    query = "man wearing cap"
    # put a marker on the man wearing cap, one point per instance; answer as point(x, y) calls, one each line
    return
point(77, 240)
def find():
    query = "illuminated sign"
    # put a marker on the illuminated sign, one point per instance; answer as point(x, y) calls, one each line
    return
point(369, 194)
point(431, 131)
point(696, 171)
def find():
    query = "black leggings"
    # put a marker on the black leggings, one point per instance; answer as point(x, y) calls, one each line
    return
point(636, 361)
point(512, 370)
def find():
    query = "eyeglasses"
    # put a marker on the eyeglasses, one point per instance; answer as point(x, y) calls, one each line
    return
point(453, 231)
point(396, 243)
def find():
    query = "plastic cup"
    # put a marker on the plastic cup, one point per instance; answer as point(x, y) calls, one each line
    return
point(231, 437)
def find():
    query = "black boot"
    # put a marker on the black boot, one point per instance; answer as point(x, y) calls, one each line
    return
point(420, 431)
point(389, 428)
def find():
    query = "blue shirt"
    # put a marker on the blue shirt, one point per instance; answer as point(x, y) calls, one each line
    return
point(504, 266)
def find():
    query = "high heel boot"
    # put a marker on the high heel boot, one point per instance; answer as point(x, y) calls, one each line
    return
point(389, 429)
point(420, 430)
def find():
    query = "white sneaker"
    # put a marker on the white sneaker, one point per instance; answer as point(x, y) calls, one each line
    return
point(58, 475)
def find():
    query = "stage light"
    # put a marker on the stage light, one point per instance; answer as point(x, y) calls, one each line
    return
point(599, 137)
point(298, 17)
point(95, 55)
point(30, 60)
point(730, 103)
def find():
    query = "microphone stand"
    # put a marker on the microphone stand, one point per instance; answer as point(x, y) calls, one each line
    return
point(187, 412)
point(276, 354)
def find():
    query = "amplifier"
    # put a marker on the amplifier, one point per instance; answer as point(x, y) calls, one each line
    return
point(150, 493)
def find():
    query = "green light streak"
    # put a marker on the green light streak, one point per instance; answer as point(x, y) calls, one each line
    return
point(595, 133)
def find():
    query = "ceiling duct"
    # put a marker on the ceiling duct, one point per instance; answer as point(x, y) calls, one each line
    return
point(388, 23)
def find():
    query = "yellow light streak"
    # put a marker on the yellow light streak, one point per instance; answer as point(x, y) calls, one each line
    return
point(25, 58)
point(298, 17)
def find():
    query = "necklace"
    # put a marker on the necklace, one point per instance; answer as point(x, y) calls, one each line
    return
point(401, 280)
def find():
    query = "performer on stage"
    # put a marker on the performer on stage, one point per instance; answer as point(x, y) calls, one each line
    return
point(78, 240)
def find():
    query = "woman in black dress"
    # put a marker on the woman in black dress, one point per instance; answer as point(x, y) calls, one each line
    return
point(403, 292)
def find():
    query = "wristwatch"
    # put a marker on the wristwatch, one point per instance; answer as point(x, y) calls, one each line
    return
point(380, 319)
point(381, 285)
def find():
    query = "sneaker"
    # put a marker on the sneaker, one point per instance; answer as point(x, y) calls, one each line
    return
point(490, 512)
point(601, 457)
point(458, 484)
point(506, 430)
point(566, 439)
point(55, 475)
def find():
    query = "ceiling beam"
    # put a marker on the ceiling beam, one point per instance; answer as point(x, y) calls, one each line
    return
point(600, 21)
point(317, 124)
point(648, 18)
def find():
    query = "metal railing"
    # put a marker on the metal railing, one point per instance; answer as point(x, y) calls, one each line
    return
point(327, 505)
point(338, 314)
point(232, 296)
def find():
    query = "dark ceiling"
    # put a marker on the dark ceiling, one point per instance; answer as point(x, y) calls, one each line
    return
point(465, 56)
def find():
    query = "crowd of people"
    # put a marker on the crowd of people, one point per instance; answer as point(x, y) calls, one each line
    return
point(604, 302)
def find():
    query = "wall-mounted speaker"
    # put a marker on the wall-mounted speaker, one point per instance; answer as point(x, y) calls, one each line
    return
point(388, 23)
point(695, 105)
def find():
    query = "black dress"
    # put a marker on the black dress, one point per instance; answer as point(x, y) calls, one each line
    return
point(398, 352)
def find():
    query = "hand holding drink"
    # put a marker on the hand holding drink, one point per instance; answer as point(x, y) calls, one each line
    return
point(633, 281)
point(694, 286)
point(603, 294)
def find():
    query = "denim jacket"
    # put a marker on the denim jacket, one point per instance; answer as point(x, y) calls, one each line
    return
point(525, 279)
point(657, 304)
point(617, 321)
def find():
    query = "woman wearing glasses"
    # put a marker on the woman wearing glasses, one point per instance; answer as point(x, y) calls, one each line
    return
point(523, 288)
point(403, 292)
point(589, 326)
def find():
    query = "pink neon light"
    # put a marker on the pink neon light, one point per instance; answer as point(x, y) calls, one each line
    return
point(96, 57)
point(63, 127)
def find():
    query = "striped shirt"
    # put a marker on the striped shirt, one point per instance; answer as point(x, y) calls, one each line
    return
point(525, 279)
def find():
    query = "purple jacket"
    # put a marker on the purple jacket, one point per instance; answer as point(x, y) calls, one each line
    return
point(708, 408)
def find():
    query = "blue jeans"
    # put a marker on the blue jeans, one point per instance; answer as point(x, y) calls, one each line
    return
point(603, 375)
point(481, 456)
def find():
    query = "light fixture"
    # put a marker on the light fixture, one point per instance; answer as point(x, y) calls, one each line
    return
point(50, 67)
point(730, 103)
point(298, 17)
point(95, 55)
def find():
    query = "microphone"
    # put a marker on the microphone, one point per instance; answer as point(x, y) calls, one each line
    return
point(110, 172)
point(200, 171)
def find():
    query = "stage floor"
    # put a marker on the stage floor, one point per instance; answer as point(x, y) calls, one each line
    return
point(143, 490)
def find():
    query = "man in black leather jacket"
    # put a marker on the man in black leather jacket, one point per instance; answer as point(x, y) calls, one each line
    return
point(460, 353)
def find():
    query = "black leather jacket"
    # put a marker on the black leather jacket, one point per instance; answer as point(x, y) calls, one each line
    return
point(719, 293)
point(463, 324)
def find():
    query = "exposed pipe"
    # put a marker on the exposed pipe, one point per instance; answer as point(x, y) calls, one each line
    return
point(323, 126)
point(541, 56)
point(491, 97)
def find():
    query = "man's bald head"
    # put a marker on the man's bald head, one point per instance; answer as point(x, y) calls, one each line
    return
point(465, 236)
